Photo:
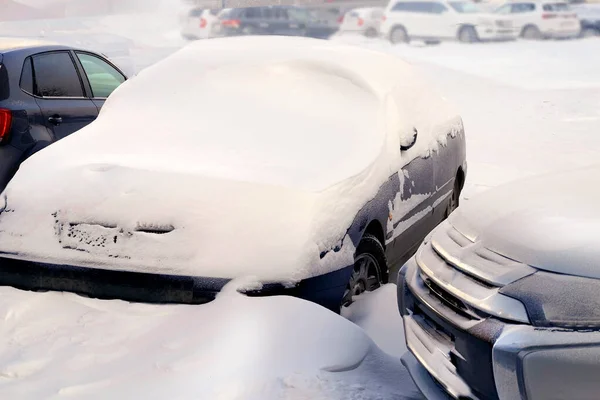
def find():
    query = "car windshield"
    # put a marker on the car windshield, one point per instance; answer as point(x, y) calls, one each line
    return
point(464, 7)
point(299, 199)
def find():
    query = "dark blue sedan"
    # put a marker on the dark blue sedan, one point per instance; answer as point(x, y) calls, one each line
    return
point(47, 92)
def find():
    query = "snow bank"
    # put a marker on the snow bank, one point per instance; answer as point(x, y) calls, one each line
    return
point(377, 313)
point(265, 145)
point(63, 345)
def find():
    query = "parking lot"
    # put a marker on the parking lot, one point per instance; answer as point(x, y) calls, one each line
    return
point(528, 107)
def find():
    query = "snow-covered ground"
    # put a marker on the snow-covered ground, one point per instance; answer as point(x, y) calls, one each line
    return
point(527, 107)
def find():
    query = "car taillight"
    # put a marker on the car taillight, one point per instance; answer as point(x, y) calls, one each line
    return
point(5, 122)
point(383, 18)
point(233, 23)
point(549, 16)
point(340, 19)
point(360, 22)
point(203, 23)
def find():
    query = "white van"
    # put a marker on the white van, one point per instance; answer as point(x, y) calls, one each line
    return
point(432, 21)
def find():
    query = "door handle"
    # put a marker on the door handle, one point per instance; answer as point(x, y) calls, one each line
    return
point(55, 120)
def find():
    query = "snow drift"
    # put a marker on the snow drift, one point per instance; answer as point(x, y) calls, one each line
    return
point(60, 345)
point(241, 156)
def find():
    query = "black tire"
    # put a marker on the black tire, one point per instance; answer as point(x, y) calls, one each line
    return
point(590, 32)
point(467, 34)
point(454, 200)
point(399, 35)
point(248, 30)
point(371, 33)
point(370, 268)
point(531, 32)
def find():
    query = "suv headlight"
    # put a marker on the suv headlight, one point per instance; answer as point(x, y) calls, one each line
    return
point(555, 300)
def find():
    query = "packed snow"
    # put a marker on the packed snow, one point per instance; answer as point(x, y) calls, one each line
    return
point(60, 345)
point(274, 149)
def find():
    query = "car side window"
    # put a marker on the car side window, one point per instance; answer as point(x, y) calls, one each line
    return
point(55, 75)
point(268, 13)
point(103, 77)
point(523, 7)
point(437, 8)
point(26, 81)
point(505, 9)
point(252, 13)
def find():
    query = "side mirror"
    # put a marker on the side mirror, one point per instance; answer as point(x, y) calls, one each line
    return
point(407, 143)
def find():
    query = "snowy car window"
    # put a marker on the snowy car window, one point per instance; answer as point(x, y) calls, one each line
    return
point(56, 76)
point(196, 12)
point(103, 78)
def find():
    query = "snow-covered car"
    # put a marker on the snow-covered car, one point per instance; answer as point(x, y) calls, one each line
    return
point(306, 166)
point(536, 20)
point(199, 23)
point(365, 21)
point(433, 21)
point(502, 300)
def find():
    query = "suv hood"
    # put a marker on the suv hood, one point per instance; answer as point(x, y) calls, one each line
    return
point(551, 222)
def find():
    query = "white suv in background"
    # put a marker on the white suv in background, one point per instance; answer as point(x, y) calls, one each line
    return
point(433, 21)
point(540, 20)
point(199, 23)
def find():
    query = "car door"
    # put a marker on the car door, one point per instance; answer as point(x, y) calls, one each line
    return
point(422, 22)
point(103, 77)
point(60, 93)
point(410, 211)
point(523, 14)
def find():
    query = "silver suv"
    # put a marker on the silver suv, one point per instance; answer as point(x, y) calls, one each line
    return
point(502, 301)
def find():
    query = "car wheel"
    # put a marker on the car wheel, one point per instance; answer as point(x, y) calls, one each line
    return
point(370, 267)
point(399, 35)
point(249, 30)
point(454, 201)
point(467, 34)
point(371, 33)
point(590, 32)
point(531, 32)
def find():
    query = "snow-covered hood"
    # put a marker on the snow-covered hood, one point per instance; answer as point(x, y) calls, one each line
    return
point(550, 222)
point(233, 157)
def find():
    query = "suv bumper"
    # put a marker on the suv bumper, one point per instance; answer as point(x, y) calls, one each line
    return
point(492, 359)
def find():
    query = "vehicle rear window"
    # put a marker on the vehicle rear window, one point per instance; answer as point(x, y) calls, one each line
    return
point(420, 7)
point(26, 82)
point(56, 76)
point(196, 12)
point(556, 7)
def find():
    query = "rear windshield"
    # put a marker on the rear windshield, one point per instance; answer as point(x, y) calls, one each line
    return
point(556, 7)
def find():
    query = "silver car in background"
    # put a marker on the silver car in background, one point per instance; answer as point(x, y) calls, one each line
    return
point(502, 301)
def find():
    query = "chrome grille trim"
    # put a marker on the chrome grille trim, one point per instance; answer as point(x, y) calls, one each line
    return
point(486, 299)
point(474, 259)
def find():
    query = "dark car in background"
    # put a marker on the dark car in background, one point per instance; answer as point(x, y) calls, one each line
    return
point(276, 20)
point(589, 15)
point(47, 92)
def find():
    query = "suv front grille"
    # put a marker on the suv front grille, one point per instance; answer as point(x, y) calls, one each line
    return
point(466, 277)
